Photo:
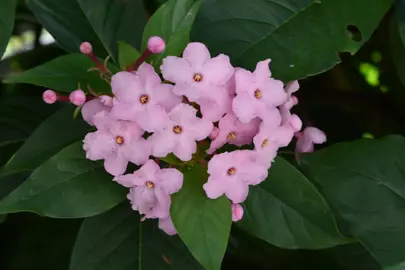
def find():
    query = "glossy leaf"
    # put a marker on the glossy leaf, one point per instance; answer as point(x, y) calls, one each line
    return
point(302, 37)
point(7, 14)
point(365, 182)
point(287, 211)
point(50, 137)
point(64, 74)
point(114, 20)
point(66, 186)
point(118, 240)
point(127, 54)
point(173, 22)
point(400, 266)
point(3, 218)
point(203, 224)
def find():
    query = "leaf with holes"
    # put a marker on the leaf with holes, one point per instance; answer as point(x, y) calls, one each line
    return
point(118, 240)
point(66, 186)
point(50, 137)
point(65, 73)
point(192, 212)
point(302, 37)
point(287, 211)
point(172, 22)
point(365, 183)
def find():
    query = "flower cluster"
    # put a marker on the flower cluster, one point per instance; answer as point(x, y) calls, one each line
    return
point(203, 99)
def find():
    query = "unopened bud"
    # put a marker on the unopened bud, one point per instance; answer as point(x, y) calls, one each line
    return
point(237, 212)
point(49, 96)
point(86, 48)
point(156, 44)
point(77, 97)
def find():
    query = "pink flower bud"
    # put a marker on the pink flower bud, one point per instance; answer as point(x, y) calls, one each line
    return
point(77, 97)
point(49, 96)
point(156, 44)
point(86, 48)
point(214, 133)
point(295, 122)
point(237, 212)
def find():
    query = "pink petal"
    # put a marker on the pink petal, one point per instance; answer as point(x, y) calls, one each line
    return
point(196, 54)
point(237, 192)
point(124, 111)
point(115, 164)
point(153, 119)
point(143, 199)
point(271, 117)
point(185, 148)
point(244, 81)
point(167, 226)
point(170, 180)
point(148, 170)
point(296, 123)
point(292, 87)
point(91, 108)
point(315, 134)
point(199, 129)
point(304, 145)
point(162, 206)
point(213, 188)
point(98, 145)
point(214, 109)
point(273, 93)
point(262, 72)
point(126, 87)
point(254, 173)
point(164, 96)
point(218, 142)
point(148, 76)
point(137, 151)
point(128, 180)
point(245, 108)
point(218, 70)
point(171, 67)
point(183, 113)
point(162, 143)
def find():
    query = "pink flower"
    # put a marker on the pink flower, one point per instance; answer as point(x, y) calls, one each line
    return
point(231, 173)
point(237, 212)
point(166, 225)
point(49, 96)
point(150, 189)
point(266, 151)
point(201, 79)
point(257, 94)
point(94, 106)
point(156, 44)
point(232, 131)
point(77, 97)
point(142, 98)
point(307, 139)
point(180, 134)
point(117, 142)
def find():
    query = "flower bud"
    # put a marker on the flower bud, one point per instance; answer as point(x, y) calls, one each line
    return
point(86, 48)
point(237, 212)
point(77, 97)
point(214, 133)
point(156, 44)
point(49, 96)
point(296, 122)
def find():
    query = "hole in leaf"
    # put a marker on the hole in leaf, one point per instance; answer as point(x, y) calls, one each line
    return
point(354, 33)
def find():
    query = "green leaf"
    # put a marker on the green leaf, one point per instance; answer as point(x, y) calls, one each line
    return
point(66, 186)
point(3, 218)
point(203, 224)
point(127, 54)
point(301, 37)
point(50, 137)
point(64, 74)
point(287, 211)
point(400, 266)
point(114, 20)
point(67, 23)
point(7, 14)
point(365, 183)
point(173, 22)
point(118, 240)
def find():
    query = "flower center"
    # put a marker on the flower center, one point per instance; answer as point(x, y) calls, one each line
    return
point(265, 143)
point(197, 77)
point(231, 135)
point(231, 171)
point(119, 140)
point(144, 99)
point(177, 129)
point(258, 94)
point(149, 184)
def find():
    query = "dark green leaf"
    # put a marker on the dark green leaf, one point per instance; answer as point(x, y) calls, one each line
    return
point(127, 54)
point(365, 182)
point(172, 22)
point(400, 266)
point(67, 23)
point(2, 218)
point(302, 37)
point(66, 186)
point(49, 138)
point(7, 13)
point(118, 240)
point(287, 211)
point(115, 20)
point(203, 224)
point(64, 74)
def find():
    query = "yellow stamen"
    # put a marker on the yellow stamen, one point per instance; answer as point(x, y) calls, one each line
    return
point(258, 94)
point(231, 135)
point(149, 184)
point(144, 99)
point(177, 129)
point(197, 77)
point(265, 143)
point(231, 171)
point(119, 140)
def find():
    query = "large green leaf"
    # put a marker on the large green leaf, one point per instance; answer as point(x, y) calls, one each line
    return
point(101, 22)
point(365, 182)
point(118, 240)
point(400, 266)
point(287, 211)
point(64, 74)
point(66, 186)
point(173, 22)
point(7, 13)
point(203, 224)
point(127, 54)
point(302, 37)
point(49, 138)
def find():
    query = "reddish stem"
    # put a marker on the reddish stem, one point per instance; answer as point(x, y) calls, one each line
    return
point(97, 62)
point(140, 60)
